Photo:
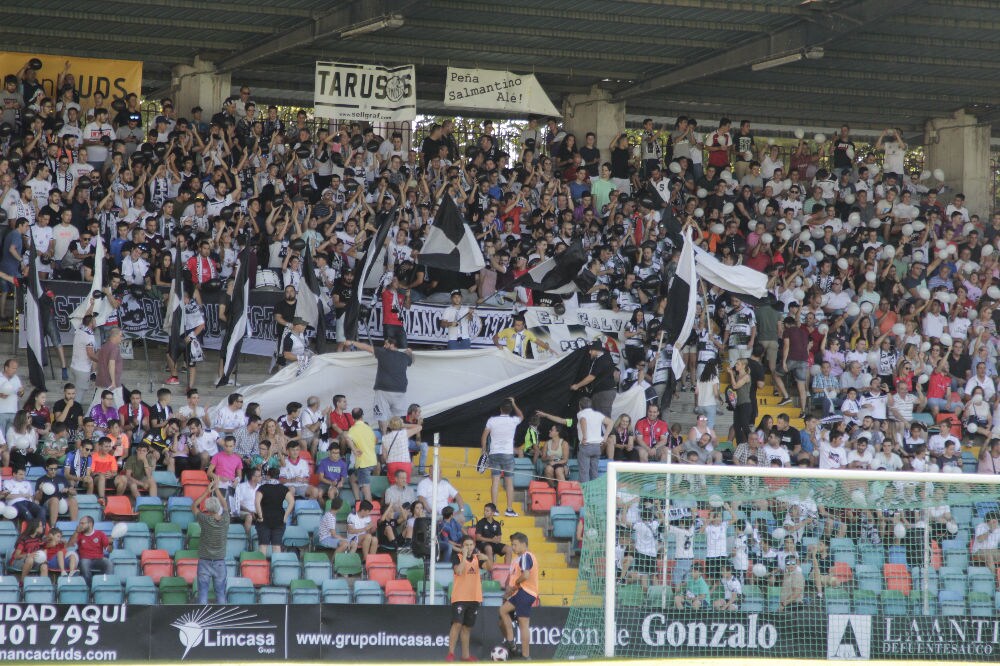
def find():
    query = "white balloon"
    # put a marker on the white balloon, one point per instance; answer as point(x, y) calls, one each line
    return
point(40, 557)
point(952, 527)
point(922, 379)
point(907, 230)
point(715, 501)
point(972, 427)
point(939, 174)
point(923, 292)
point(842, 264)
point(799, 133)
point(850, 152)
point(716, 228)
point(993, 292)
point(987, 250)
point(759, 570)
point(942, 296)
point(889, 252)
point(952, 299)
point(779, 533)
point(786, 183)
point(918, 226)
point(747, 155)
point(727, 208)
point(874, 223)
point(858, 496)
point(823, 329)
point(925, 347)
point(972, 314)
point(726, 175)
point(849, 198)
point(899, 330)
point(899, 530)
point(854, 218)
point(853, 310)
point(770, 142)
point(786, 235)
point(698, 212)
point(873, 358)
point(969, 226)
point(816, 232)
point(830, 250)
point(702, 193)
point(766, 239)
point(867, 307)
point(873, 169)
point(799, 295)
point(804, 236)
point(675, 167)
point(945, 339)
point(796, 226)
point(63, 507)
point(940, 244)
point(870, 276)
point(819, 137)
point(9, 512)
point(48, 488)
point(119, 530)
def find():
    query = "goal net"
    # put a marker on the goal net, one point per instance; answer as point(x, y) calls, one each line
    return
point(716, 561)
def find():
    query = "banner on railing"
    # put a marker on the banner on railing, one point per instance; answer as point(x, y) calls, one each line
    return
point(113, 78)
point(351, 91)
point(495, 90)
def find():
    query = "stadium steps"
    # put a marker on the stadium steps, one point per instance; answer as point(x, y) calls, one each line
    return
point(557, 581)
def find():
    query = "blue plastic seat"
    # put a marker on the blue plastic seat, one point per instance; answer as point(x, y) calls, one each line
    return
point(106, 589)
point(269, 594)
point(140, 590)
point(296, 536)
point(179, 511)
point(72, 590)
point(368, 592)
point(336, 591)
point(240, 591)
point(138, 539)
point(169, 537)
point(563, 521)
point(304, 592)
point(124, 564)
point(10, 590)
point(285, 568)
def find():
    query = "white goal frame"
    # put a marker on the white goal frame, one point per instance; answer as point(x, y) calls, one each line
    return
point(671, 469)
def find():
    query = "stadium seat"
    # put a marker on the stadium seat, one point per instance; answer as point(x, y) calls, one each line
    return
point(524, 472)
point(951, 602)
point(140, 590)
point(336, 591)
point(398, 592)
point(87, 505)
point(846, 557)
point(444, 574)
point(186, 565)
point(194, 482)
point(106, 589)
point(179, 511)
point(562, 520)
point(379, 484)
point(842, 571)
point(379, 567)
point(316, 567)
point(240, 591)
point(492, 593)
point(167, 485)
point(368, 592)
point(296, 536)
point(254, 565)
point(10, 589)
point(285, 568)
point(151, 511)
point(871, 555)
point(405, 562)
point(660, 596)
point(8, 537)
point(174, 590)
point(630, 595)
point(269, 594)
point(156, 564)
point(980, 604)
point(193, 534)
point(423, 594)
point(897, 555)
point(169, 537)
point(570, 494)
point(74, 590)
point(304, 592)
point(124, 564)
point(869, 579)
point(38, 590)
point(865, 602)
point(138, 539)
point(838, 601)
point(347, 564)
point(893, 602)
point(500, 573)
point(236, 541)
point(541, 497)
point(897, 578)
point(119, 507)
point(773, 599)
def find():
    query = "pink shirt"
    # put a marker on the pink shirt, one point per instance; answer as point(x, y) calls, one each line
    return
point(227, 465)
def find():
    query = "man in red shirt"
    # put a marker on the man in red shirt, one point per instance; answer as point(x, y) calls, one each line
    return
point(202, 267)
point(340, 420)
point(651, 434)
point(394, 301)
point(719, 143)
point(92, 546)
point(795, 357)
point(134, 417)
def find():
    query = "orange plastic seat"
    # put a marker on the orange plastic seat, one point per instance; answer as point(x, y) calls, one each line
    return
point(897, 577)
point(156, 564)
point(119, 507)
point(258, 571)
point(380, 568)
point(400, 592)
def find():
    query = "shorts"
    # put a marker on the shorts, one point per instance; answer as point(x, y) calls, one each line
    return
point(797, 369)
point(270, 536)
point(522, 603)
point(770, 351)
point(389, 404)
point(330, 542)
point(644, 564)
point(364, 475)
point(501, 462)
point(465, 613)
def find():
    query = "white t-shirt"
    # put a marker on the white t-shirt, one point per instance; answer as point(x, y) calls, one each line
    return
point(502, 434)
point(295, 470)
point(992, 541)
point(684, 536)
point(464, 328)
point(9, 387)
point(646, 537)
point(93, 131)
point(63, 235)
point(356, 522)
point(593, 421)
point(732, 588)
point(207, 443)
point(445, 492)
point(82, 339)
point(716, 536)
point(832, 457)
point(779, 452)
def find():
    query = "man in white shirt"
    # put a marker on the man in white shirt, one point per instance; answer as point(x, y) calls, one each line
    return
point(986, 544)
point(230, 418)
point(93, 133)
point(832, 454)
point(983, 381)
point(936, 444)
point(134, 267)
point(204, 443)
point(84, 356)
point(10, 391)
point(498, 436)
point(311, 424)
point(591, 427)
point(41, 236)
point(861, 457)
point(63, 234)
point(773, 450)
point(446, 494)
point(245, 499)
point(295, 471)
point(457, 320)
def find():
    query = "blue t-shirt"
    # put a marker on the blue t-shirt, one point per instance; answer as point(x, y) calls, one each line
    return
point(332, 472)
point(8, 264)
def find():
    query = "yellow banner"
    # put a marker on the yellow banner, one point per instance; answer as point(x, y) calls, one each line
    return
point(114, 78)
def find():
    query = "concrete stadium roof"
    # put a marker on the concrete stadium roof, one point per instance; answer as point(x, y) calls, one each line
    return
point(884, 62)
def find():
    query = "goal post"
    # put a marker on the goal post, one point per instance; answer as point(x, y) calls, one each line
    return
point(724, 561)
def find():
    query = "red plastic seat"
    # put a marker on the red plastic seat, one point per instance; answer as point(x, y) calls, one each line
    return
point(842, 572)
point(156, 564)
point(380, 568)
point(117, 506)
point(399, 592)
point(897, 577)
point(500, 573)
point(541, 496)
point(258, 571)
point(187, 569)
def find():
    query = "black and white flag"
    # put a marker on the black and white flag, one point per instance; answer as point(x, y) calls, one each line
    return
point(238, 324)
point(308, 302)
point(557, 274)
point(33, 328)
point(682, 302)
point(173, 321)
point(371, 269)
point(451, 244)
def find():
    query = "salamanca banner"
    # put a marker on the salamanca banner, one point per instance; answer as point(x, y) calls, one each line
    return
point(492, 90)
point(365, 92)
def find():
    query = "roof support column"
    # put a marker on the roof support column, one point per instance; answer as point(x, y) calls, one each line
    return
point(959, 145)
point(594, 112)
point(199, 85)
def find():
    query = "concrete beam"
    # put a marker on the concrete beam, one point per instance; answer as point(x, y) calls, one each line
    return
point(960, 146)
point(127, 19)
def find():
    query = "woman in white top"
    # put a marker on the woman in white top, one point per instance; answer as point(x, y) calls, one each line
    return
point(707, 394)
point(22, 442)
point(396, 447)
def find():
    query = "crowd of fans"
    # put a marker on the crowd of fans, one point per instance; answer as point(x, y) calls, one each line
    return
point(879, 330)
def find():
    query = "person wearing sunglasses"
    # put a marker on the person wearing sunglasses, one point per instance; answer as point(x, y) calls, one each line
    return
point(77, 466)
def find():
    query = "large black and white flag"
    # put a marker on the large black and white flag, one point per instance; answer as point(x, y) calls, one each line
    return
point(238, 323)
point(450, 243)
point(371, 270)
point(309, 302)
point(173, 321)
point(682, 302)
point(33, 328)
point(557, 274)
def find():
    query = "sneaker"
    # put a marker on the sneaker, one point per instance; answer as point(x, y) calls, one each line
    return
point(172, 381)
point(510, 513)
point(65, 374)
point(785, 401)
point(450, 657)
